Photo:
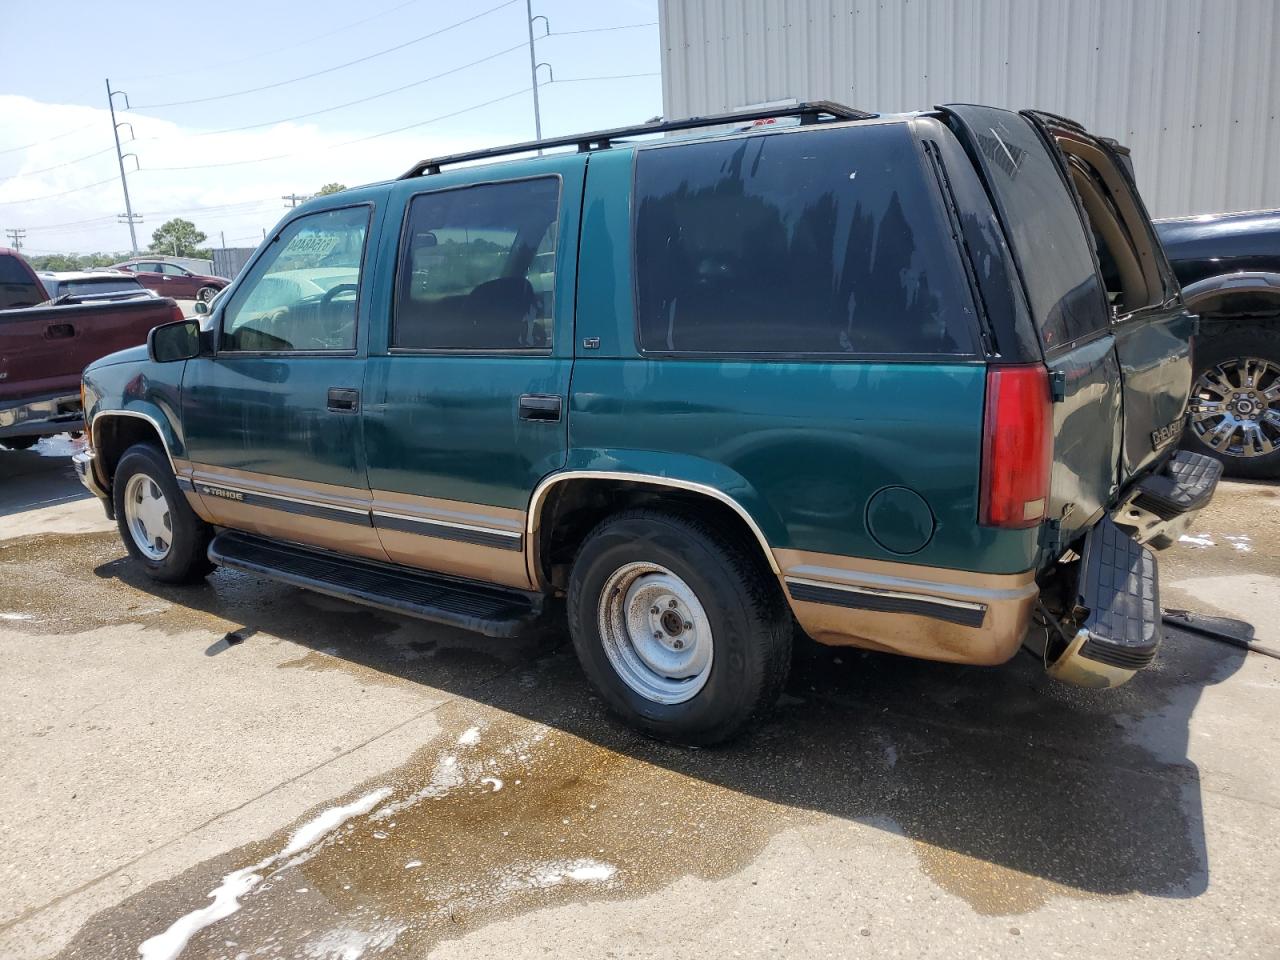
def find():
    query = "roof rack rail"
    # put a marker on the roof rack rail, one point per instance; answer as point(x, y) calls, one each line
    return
point(809, 112)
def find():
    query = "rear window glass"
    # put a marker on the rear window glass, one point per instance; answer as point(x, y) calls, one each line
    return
point(17, 288)
point(87, 288)
point(823, 242)
point(1043, 226)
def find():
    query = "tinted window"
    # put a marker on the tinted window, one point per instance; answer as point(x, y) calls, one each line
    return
point(87, 287)
point(1043, 226)
point(17, 287)
point(823, 242)
point(172, 270)
point(477, 268)
point(302, 292)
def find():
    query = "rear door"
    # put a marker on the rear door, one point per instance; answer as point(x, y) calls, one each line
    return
point(467, 394)
point(1152, 327)
point(1068, 304)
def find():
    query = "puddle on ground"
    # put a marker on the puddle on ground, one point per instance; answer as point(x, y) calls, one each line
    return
point(490, 822)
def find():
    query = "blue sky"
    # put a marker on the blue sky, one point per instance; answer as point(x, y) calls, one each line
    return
point(53, 101)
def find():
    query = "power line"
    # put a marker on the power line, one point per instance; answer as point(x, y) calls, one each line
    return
point(348, 143)
point(15, 235)
point(48, 139)
point(242, 208)
point(621, 26)
point(613, 76)
point(275, 50)
point(56, 166)
point(350, 103)
point(340, 66)
point(50, 196)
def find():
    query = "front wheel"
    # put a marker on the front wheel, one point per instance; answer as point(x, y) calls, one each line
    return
point(684, 632)
point(1235, 402)
point(158, 526)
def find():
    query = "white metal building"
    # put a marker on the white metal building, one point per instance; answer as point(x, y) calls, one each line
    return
point(1192, 86)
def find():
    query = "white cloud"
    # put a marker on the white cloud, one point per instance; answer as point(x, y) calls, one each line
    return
point(243, 197)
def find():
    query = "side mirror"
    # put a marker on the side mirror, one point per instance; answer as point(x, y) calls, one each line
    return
point(179, 340)
point(200, 307)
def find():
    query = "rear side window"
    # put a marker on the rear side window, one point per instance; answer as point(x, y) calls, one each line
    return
point(477, 268)
point(1043, 226)
point(825, 242)
point(18, 288)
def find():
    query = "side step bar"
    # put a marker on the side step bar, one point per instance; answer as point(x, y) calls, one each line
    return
point(483, 608)
point(1162, 506)
point(1118, 614)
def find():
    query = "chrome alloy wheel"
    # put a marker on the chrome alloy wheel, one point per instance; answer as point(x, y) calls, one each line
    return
point(147, 516)
point(1235, 407)
point(655, 633)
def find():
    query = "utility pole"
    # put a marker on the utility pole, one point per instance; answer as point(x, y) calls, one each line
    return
point(222, 235)
point(124, 181)
point(293, 199)
point(533, 68)
point(16, 234)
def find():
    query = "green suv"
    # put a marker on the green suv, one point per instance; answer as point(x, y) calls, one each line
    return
point(911, 383)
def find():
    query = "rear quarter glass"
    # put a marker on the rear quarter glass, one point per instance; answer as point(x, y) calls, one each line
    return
point(823, 243)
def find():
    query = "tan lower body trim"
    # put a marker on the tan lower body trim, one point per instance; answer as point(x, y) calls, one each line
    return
point(318, 514)
point(471, 540)
point(931, 613)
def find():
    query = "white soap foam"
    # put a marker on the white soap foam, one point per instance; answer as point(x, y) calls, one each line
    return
point(413, 865)
point(494, 782)
point(579, 871)
point(226, 898)
point(1204, 540)
point(470, 737)
point(16, 616)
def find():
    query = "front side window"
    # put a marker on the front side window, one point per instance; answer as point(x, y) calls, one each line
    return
point(477, 268)
point(819, 243)
point(302, 292)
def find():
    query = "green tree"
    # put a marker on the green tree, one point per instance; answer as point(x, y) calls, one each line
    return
point(329, 188)
point(178, 238)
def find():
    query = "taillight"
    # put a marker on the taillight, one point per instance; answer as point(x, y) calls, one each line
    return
point(175, 313)
point(1017, 447)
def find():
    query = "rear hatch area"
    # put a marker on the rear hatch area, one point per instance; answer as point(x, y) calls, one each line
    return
point(1115, 339)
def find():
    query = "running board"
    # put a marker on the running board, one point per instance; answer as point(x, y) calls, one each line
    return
point(483, 608)
point(1118, 602)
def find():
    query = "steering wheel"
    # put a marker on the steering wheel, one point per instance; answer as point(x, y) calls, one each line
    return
point(340, 288)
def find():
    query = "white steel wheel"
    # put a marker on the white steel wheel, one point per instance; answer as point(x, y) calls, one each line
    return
point(148, 517)
point(655, 633)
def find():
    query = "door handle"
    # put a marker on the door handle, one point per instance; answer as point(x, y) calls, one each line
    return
point(543, 408)
point(344, 400)
point(59, 331)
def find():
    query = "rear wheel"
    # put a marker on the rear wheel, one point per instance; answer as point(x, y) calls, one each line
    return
point(158, 526)
point(683, 631)
point(1235, 402)
point(205, 294)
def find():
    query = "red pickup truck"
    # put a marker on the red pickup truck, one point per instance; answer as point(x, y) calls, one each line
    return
point(44, 347)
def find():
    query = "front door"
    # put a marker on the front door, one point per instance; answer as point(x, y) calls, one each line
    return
point(466, 400)
point(273, 419)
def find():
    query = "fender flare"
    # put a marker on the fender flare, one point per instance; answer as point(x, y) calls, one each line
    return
point(1258, 288)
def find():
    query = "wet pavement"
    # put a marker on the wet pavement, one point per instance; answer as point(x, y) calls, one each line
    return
point(254, 771)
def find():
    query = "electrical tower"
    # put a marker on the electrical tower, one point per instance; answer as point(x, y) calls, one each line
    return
point(16, 234)
point(128, 216)
point(293, 199)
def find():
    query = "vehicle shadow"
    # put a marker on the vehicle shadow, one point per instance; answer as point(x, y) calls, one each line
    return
point(1012, 788)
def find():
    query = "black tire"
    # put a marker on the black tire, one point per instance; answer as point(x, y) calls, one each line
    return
point(750, 624)
point(205, 294)
point(1260, 343)
point(20, 443)
point(187, 559)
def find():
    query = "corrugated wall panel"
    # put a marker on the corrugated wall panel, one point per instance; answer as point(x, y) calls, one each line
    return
point(1190, 85)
